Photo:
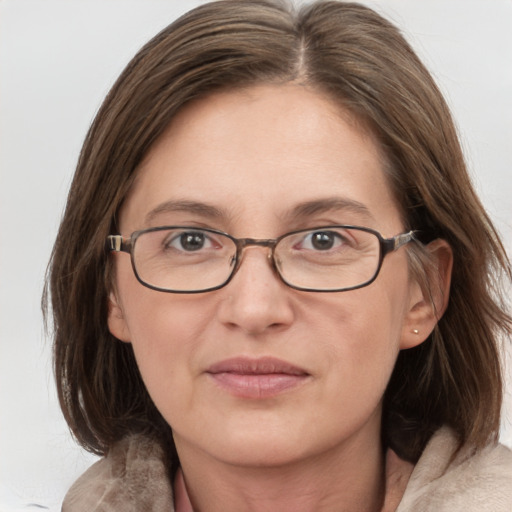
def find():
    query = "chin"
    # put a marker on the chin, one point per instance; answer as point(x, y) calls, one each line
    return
point(263, 453)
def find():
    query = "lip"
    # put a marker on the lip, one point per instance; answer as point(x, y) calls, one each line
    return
point(258, 378)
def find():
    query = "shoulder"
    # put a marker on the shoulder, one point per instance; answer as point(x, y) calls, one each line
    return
point(132, 477)
point(472, 481)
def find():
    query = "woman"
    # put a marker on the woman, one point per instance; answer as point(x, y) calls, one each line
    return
point(274, 287)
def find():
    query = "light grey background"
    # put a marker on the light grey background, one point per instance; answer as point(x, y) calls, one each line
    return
point(57, 61)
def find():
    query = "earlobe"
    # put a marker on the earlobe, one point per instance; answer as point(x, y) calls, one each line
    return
point(116, 320)
point(428, 303)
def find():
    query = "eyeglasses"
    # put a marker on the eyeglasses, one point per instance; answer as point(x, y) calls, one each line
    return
point(185, 259)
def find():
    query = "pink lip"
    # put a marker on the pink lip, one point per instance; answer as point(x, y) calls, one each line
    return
point(256, 378)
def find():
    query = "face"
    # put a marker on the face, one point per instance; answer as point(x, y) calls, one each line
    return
point(257, 373)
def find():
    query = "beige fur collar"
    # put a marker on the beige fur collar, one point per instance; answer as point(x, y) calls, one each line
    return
point(133, 478)
point(473, 482)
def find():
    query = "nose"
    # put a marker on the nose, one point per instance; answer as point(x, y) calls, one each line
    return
point(256, 300)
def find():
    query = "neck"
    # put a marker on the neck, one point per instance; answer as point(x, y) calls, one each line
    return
point(345, 478)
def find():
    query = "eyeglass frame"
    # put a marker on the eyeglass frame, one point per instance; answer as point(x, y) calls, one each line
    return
point(117, 243)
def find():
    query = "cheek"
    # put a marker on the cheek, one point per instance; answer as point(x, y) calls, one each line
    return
point(164, 330)
point(362, 321)
point(157, 318)
point(166, 343)
point(361, 336)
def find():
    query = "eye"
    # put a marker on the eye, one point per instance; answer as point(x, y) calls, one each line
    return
point(322, 240)
point(189, 241)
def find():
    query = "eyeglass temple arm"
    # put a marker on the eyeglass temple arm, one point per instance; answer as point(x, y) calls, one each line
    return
point(392, 244)
point(403, 239)
point(117, 244)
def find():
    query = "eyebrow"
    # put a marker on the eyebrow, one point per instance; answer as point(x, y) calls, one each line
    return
point(186, 206)
point(330, 204)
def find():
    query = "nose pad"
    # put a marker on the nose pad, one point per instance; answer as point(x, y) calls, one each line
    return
point(276, 263)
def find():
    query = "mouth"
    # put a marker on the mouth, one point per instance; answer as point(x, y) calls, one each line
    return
point(256, 378)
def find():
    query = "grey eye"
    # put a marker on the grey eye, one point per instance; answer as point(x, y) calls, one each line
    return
point(321, 240)
point(187, 241)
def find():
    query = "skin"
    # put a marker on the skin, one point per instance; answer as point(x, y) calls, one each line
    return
point(255, 155)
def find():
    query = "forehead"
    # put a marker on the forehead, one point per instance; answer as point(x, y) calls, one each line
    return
point(257, 154)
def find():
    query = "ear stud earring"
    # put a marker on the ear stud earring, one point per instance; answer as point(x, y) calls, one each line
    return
point(415, 331)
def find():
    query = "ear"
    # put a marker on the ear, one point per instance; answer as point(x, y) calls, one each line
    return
point(116, 320)
point(427, 304)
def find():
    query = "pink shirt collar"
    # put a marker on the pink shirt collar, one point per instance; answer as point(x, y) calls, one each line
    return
point(181, 499)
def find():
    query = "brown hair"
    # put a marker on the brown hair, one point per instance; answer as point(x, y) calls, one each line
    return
point(352, 54)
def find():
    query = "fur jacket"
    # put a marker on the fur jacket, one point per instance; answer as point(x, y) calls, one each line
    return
point(133, 478)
